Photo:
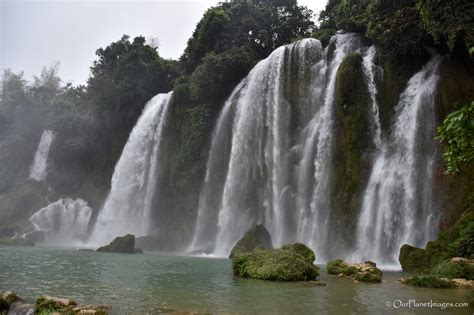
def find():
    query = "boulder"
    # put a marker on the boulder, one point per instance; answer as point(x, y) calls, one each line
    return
point(412, 259)
point(50, 304)
point(363, 272)
point(21, 308)
point(123, 244)
point(6, 300)
point(258, 236)
point(290, 263)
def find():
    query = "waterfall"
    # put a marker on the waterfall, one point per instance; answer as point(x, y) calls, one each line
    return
point(127, 208)
point(396, 207)
point(38, 169)
point(64, 221)
point(258, 170)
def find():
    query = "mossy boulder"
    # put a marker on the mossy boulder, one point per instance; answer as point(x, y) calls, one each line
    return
point(46, 304)
point(428, 281)
point(363, 272)
point(289, 263)
point(258, 236)
point(412, 259)
point(121, 244)
point(457, 241)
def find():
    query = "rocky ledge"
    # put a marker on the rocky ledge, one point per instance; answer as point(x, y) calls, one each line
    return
point(123, 244)
point(363, 272)
point(293, 262)
point(11, 303)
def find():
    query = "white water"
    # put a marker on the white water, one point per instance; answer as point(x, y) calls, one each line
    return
point(251, 176)
point(38, 169)
point(64, 221)
point(127, 208)
point(397, 206)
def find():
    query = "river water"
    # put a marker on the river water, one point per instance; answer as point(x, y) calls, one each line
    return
point(154, 283)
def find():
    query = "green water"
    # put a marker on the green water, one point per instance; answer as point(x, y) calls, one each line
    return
point(152, 283)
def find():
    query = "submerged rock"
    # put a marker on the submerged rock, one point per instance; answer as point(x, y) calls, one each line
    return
point(123, 244)
point(258, 236)
point(92, 309)
point(363, 272)
point(16, 241)
point(290, 263)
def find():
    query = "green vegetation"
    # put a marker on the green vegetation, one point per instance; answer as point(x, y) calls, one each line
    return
point(436, 258)
point(402, 27)
point(292, 262)
point(364, 272)
point(457, 131)
point(428, 282)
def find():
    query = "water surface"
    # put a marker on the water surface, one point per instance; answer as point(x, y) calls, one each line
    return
point(152, 283)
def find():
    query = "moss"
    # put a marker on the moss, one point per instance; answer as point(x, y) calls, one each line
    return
point(253, 238)
point(412, 259)
point(457, 241)
point(428, 282)
point(353, 143)
point(365, 272)
point(455, 268)
point(276, 264)
point(46, 306)
point(302, 250)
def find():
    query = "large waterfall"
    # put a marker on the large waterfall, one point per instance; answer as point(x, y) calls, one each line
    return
point(128, 205)
point(64, 221)
point(271, 156)
point(38, 168)
point(397, 203)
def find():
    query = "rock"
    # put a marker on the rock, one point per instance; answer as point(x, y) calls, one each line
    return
point(51, 304)
point(362, 272)
point(92, 309)
point(124, 244)
point(276, 264)
point(428, 281)
point(463, 283)
point(412, 259)
point(21, 308)
point(10, 297)
point(149, 242)
point(317, 283)
point(16, 241)
point(258, 236)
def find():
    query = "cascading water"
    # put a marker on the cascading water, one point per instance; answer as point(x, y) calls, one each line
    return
point(38, 169)
point(396, 207)
point(258, 171)
point(128, 205)
point(64, 221)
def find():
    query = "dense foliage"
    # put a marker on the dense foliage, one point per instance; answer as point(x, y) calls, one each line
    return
point(457, 132)
point(402, 27)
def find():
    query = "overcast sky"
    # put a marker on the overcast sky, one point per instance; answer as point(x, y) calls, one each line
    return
point(34, 33)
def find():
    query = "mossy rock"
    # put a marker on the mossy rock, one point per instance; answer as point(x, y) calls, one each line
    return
point(291, 264)
point(412, 259)
point(302, 250)
point(457, 241)
point(47, 305)
point(6, 301)
point(363, 272)
point(121, 244)
point(428, 281)
point(258, 236)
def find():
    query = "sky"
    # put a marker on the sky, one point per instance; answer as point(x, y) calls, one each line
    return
point(37, 33)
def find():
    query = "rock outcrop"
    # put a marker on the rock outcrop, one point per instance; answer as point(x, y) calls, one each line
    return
point(123, 244)
point(258, 236)
point(292, 262)
point(363, 272)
